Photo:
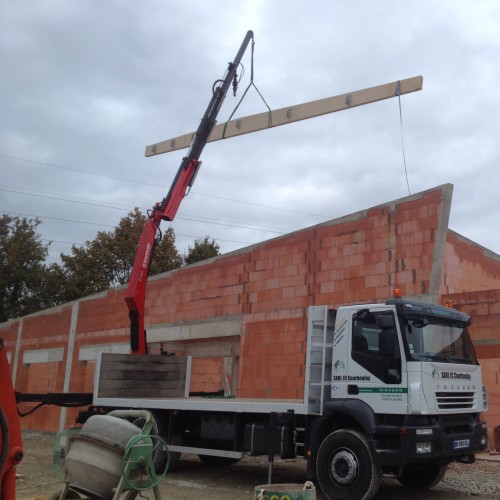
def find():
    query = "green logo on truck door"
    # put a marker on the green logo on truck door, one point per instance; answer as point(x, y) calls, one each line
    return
point(387, 394)
point(339, 333)
point(390, 390)
point(339, 366)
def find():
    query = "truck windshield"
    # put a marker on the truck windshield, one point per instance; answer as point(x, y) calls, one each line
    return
point(435, 339)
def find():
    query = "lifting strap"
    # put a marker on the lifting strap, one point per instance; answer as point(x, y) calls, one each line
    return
point(251, 84)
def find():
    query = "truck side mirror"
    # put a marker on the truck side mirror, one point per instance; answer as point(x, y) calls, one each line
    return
point(385, 321)
point(365, 316)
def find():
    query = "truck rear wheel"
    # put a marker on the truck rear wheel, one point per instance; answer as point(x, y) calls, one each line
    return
point(161, 455)
point(345, 468)
point(425, 476)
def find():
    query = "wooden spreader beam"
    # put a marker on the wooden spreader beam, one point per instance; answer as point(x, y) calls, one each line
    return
point(291, 114)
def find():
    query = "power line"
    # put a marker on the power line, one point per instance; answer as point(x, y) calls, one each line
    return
point(195, 218)
point(216, 239)
point(176, 235)
point(135, 181)
point(106, 225)
point(61, 241)
point(57, 196)
point(119, 206)
point(260, 205)
point(57, 218)
point(60, 199)
point(73, 169)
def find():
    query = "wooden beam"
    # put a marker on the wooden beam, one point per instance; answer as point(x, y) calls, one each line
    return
point(291, 114)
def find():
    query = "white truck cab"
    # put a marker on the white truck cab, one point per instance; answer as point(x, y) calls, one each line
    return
point(405, 385)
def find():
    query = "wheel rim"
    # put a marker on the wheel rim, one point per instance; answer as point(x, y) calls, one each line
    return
point(344, 467)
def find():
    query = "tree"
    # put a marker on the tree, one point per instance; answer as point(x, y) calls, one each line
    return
point(107, 261)
point(202, 249)
point(28, 284)
point(22, 268)
point(166, 256)
point(55, 287)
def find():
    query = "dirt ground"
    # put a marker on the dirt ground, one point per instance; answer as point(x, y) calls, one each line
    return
point(196, 480)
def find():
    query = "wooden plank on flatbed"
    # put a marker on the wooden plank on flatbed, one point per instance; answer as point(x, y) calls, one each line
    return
point(144, 358)
point(143, 375)
point(130, 375)
point(149, 366)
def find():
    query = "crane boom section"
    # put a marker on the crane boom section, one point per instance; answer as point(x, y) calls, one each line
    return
point(167, 208)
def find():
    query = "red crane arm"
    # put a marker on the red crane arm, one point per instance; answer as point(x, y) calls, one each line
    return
point(167, 209)
point(136, 292)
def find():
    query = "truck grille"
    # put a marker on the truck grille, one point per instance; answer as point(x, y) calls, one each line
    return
point(456, 400)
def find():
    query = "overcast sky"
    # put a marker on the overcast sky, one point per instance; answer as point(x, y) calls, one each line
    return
point(86, 84)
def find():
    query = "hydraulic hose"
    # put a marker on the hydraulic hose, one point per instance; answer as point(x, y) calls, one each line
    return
point(4, 432)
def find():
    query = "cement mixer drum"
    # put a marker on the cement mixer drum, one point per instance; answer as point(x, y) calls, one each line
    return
point(94, 459)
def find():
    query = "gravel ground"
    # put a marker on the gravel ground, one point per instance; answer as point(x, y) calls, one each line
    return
point(196, 480)
point(481, 478)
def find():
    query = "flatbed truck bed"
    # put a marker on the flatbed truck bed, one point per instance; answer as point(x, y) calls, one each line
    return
point(228, 404)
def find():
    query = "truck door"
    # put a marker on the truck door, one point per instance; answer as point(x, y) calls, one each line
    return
point(376, 366)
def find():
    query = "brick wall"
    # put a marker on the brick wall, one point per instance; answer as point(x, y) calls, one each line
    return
point(41, 362)
point(243, 315)
point(198, 292)
point(470, 279)
point(358, 258)
point(484, 308)
point(468, 266)
point(206, 374)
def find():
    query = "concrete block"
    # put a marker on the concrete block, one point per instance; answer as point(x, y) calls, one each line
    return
point(52, 355)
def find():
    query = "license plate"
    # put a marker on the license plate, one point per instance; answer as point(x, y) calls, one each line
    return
point(461, 443)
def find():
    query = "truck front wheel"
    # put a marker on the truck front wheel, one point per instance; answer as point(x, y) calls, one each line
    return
point(424, 476)
point(345, 468)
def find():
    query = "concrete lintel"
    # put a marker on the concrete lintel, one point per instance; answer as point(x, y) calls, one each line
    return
point(190, 330)
point(91, 352)
point(53, 355)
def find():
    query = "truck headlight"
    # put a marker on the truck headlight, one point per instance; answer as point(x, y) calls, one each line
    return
point(485, 398)
point(424, 448)
point(424, 432)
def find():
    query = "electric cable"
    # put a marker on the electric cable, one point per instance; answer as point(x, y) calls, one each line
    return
point(135, 181)
point(98, 203)
point(111, 226)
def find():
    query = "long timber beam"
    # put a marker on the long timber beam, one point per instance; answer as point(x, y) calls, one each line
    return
point(291, 114)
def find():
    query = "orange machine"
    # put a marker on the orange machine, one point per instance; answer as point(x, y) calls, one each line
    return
point(11, 449)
